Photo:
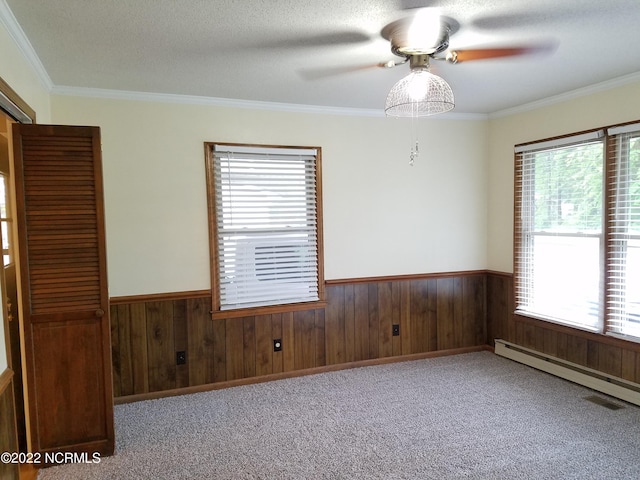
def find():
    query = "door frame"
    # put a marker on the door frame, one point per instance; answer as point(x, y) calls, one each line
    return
point(14, 106)
point(17, 109)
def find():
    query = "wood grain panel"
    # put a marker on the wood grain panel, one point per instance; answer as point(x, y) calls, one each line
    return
point(334, 328)
point(264, 345)
point(361, 322)
point(276, 332)
point(550, 342)
point(385, 319)
point(577, 350)
point(593, 354)
point(180, 341)
point(249, 347)
point(610, 359)
point(562, 343)
point(199, 345)
point(219, 348)
point(628, 365)
point(305, 340)
point(63, 383)
point(234, 347)
point(115, 352)
point(288, 342)
point(433, 313)
point(349, 323)
point(160, 346)
point(474, 299)
point(8, 433)
point(499, 313)
point(139, 357)
point(321, 340)
point(396, 317)
point(446, 322)
point(405, 318)
point(419, 308)
point(374, 321)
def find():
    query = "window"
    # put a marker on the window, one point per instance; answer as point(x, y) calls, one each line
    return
point(5, 222)
point(577, 230)
point(623, 253)
point(265, 226)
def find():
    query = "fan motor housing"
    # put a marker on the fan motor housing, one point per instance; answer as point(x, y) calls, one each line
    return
point(398, 33)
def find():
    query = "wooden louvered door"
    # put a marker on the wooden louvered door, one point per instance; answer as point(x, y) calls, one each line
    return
point(63, 288)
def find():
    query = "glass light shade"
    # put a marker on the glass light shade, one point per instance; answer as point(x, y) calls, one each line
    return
point(419, 94)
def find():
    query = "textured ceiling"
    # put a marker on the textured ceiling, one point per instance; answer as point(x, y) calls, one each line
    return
point(294, 52)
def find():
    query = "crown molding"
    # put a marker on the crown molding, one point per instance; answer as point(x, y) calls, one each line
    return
point(212, 101)
point(24, 45)
point(564, 97)
point(235, 103)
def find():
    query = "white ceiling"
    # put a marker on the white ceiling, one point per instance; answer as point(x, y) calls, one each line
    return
point(279, 50)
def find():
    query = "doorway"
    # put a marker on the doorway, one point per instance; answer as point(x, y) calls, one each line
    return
point(13, 109)
point(9, 271)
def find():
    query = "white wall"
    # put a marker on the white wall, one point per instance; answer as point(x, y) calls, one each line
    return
point(15, 71)
point(597, 109)
point(18, 73)
point(381, 216)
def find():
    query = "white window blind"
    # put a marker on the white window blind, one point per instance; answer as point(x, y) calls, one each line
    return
point(623, 249)
point(559, 229)
point(266, 225)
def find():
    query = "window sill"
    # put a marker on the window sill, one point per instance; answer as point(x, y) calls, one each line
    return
point(609, 339)
point(268, 310)
point(559, 322)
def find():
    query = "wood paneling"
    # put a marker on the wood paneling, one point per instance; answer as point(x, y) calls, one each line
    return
point(434, 313)
point(606, 354)
point(8, 433)
point(76, 412)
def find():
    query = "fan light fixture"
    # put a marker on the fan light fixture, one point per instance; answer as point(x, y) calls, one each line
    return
point(419, 94)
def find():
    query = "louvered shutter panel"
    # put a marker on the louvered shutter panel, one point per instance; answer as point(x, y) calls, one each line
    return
point(63, 251)
point(63, 282)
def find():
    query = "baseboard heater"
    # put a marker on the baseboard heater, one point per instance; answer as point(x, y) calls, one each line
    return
point(594, 379)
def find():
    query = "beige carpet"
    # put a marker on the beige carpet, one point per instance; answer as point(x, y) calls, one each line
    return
point(475, 416)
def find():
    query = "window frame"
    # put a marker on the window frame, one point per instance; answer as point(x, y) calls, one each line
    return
point(214, 268)
point(614, 323)
point(520, 237)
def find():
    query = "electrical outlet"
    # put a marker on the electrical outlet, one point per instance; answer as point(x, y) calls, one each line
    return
point(395, 330)
point(277, 345)
point(181, 357)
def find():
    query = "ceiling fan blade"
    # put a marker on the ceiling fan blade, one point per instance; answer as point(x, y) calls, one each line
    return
point(303, 40)
point(325, 72)
point(459, 56)
point(414, 4)
point(527, 17)
point(513, 20)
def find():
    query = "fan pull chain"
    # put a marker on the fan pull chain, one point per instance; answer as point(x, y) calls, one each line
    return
point(415, 149)
point(414, 154)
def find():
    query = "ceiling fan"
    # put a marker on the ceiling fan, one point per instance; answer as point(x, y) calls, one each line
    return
point(427, 33)
point(422, 37)
point(417, 39)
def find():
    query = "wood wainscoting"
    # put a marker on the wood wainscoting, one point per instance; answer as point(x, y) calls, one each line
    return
point(8, 432)
point(606, 354)
point(439, 312)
